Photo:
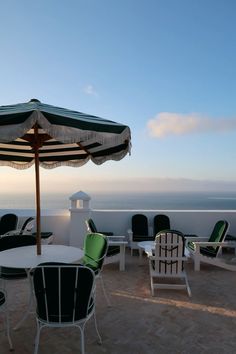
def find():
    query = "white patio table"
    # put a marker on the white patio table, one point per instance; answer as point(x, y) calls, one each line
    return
point(26, 257)
point(145, 245)
point(121, 242)
point(148, 246)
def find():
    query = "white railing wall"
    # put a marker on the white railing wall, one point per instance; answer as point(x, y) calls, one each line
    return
point(198, 222)
point(55, 220)
point(119, 221)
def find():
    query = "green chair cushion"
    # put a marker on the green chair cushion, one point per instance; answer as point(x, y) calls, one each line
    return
point(95, 246)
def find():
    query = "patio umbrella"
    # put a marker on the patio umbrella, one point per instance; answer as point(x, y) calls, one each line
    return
point(49, 136)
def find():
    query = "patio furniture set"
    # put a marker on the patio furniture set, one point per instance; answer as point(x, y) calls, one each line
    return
point(9, 226)
point(57, 283)
point(57, 131)
point(53, 279)
point(167, 250)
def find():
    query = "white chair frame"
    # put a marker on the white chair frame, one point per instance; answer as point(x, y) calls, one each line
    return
point(79, 324)
point(4, 308)
point(219, 260)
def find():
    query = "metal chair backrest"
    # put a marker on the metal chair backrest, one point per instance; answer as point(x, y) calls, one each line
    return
point(95, 250)
point(161, 222)
point(91, 226)
point(27, 226)
point(64, 292)
point(140, 225)
point(8, 222)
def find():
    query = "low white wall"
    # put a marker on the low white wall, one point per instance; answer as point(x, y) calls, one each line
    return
point(187, 221)
point(55, 220)
point(119, 221)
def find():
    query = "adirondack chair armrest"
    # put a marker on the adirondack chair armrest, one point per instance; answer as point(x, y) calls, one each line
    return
point(221, 244)
point(195, 239)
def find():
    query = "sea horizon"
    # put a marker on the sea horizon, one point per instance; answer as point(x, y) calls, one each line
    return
point(129, 200)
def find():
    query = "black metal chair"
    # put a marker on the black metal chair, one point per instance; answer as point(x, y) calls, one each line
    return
point(26, 228)
point(139, 231)
point(8, 242)
point(8, 222)
point(160, 222)
point(65, 297)
point(91, 227)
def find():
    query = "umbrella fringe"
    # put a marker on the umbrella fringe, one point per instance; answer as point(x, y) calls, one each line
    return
point(55, 164)
point(11, 132)
point(70, 135)
point(43, 134)
point(17, 165)
point(61, 133)
point(115, 157)
point(50, 165)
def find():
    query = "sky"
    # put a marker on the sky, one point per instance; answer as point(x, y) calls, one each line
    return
point(165, 68)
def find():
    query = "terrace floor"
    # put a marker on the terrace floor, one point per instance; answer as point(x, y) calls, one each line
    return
point(170, 322)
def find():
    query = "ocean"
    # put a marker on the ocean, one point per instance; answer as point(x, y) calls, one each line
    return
point(144, 201)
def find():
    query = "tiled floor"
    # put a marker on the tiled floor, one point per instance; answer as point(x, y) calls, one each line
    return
point(170, 322)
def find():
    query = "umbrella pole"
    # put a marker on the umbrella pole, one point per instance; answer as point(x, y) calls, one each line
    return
point(37, 184)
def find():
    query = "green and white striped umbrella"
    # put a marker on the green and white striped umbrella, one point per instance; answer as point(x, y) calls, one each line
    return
point(50, 136)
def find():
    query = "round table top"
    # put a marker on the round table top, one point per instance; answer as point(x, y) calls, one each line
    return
point(26, 257)
point(150, 245)
point(144, 244)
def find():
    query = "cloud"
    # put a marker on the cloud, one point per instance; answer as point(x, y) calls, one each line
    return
point(165, 124)
point(89, 90)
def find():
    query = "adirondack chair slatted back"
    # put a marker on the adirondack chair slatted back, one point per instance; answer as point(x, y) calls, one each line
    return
point(169, 252)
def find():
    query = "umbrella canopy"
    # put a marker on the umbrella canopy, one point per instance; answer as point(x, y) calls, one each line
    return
point(50, 136)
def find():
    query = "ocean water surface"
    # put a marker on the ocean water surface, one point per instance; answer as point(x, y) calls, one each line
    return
point(143, 201)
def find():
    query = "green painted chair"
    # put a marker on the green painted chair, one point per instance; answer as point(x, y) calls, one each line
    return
point(92, 228)
point(95, 250)
point(209, 251)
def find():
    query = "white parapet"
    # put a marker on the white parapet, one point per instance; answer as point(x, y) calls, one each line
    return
point(79, 212)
